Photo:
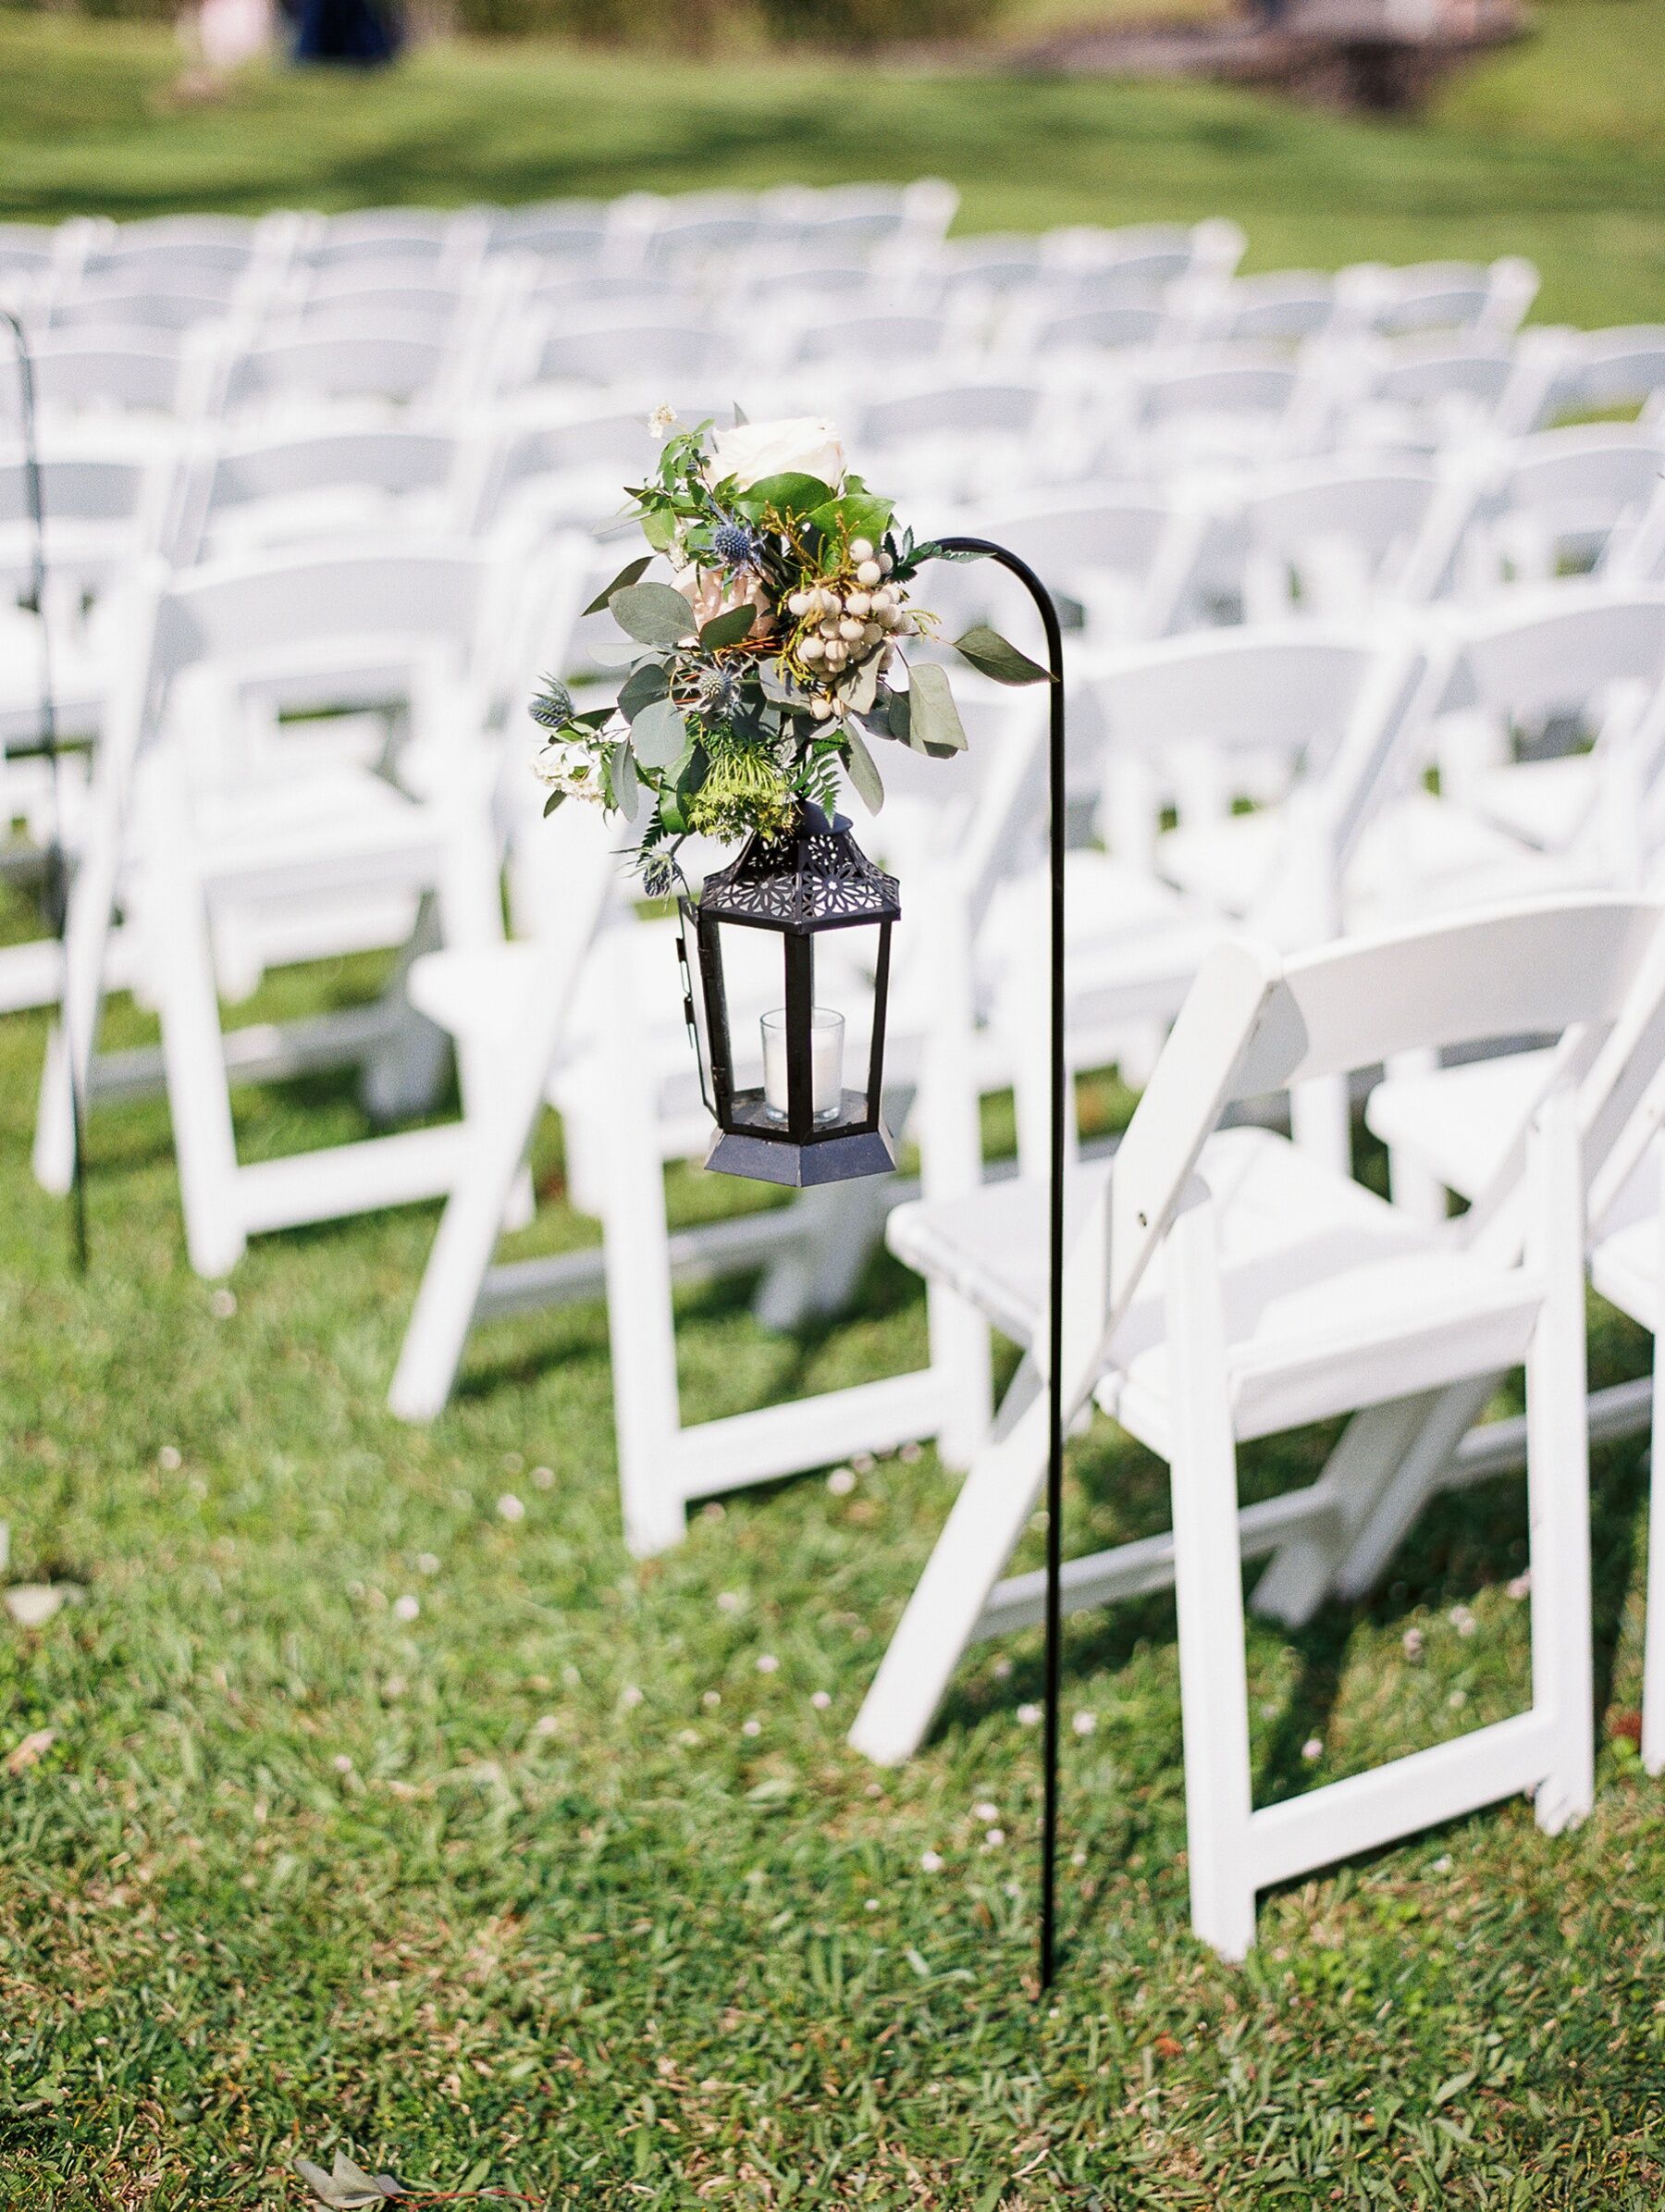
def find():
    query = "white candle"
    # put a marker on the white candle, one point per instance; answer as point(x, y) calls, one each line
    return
point(826, 1063)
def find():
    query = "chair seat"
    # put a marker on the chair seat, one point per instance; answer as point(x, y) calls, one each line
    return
point(273, 837)
point(1625, 1268)
point(1327, 1288)
point(1543, 802)
point(1459, 1122)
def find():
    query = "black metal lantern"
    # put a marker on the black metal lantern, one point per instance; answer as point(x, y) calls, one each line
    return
point(802, 1125)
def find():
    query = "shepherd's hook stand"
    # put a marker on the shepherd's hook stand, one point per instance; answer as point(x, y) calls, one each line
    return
point(47, 748)
point(984, 549)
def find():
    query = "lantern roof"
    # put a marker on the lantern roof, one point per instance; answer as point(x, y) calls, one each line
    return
point(813, 877)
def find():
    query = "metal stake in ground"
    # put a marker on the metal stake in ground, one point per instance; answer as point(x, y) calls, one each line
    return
point(984, 548)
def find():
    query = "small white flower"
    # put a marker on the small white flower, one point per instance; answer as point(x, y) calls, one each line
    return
point(1457, 1699)
point(872, 1905)
point(1078, 1859)
point(1462, 1621)
point(931, 1862)
point(222, 1304)
point(169, 1459)
point(752, 1727)
point(689, 1737)
point(546, 1725)
point(842, 1481)
point(864, 1462)
point(1313, 1749)
point(994, 1838)
point(1084, 1722)
point(1442, 1865)
point(821, 1700)
point(632, 1695)
point(1028, 1715)
point(909, 1454)
point(510, 1506)
point(1413, 1640)
point(663, 420)
point(342, 1764)
point(406, 1608)
point(985, 1811)
point(427, 1563)
point(1003, 1668)
point(1520, 1586)
point(543, 1478)
point(569, 767)
point(711, 1699)
point(768, 1664)
point(728, 1601)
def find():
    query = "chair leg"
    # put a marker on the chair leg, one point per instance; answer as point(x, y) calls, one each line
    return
point(88, 932)
point(194, 1056)
point(980, 1536)
point(1209, 1595)
point(1557, 1471)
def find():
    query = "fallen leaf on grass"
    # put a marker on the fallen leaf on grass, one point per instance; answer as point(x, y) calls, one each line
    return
point(347, 2187)
point(33, 1747)
point(32, 1604)
point(1168, 2047)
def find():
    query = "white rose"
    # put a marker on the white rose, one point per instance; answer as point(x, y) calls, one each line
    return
point(805, 446)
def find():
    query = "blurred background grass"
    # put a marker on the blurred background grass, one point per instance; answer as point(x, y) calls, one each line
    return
point(1551, 148)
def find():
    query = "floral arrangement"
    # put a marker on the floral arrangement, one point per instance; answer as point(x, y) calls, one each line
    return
point(776, 654)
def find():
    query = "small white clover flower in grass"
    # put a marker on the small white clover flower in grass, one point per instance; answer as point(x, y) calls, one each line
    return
point(630, 1695)
point(1413, 1640)
point(1028, 1715)
point(546, 1725)
point(864, 1462)
point(511, 1508)
point(1313, 1749)
point(1457, 1699)
point(729, 1601)
point(1462, 1620)
point(821, 1700)
point(751, 1727)
point(768, 1664)
point(842, 1481)
point(1078, 1859)
point(1520, 1587)
point(427, 1563)
point(342, 1764)
point(1442, 1865)
point(986, 1810)
point(711, 1699)
point(543, 1478)
point(170, 1459)
point(909, 1454)
point(1003, 1669)
point(222, 1304)
point(406, 1608)
point(931, 1862)
point(1084, 1722)
point(872, 1905)
point(993, 1839)
point(689, 1738)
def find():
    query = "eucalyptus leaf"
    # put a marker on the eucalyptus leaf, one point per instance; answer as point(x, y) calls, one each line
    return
point(550, 804)
point(622, 582)
point(622, 778)
point(864, 775)
point(727, 629)
point(933, 722)
point(643, 687)
point(860, 687)
point(935, 552)
point(896, 716)
point(652, 613)
point(659, 734)
point(992, 655)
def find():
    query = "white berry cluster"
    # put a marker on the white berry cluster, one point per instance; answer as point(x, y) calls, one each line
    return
point(846, 619)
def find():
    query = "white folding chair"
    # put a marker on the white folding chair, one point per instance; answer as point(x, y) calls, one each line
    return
point(246, 494)
point(1220, 1287)
point(211, 816)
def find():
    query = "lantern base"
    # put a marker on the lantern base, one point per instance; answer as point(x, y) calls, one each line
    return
point(801, 1167)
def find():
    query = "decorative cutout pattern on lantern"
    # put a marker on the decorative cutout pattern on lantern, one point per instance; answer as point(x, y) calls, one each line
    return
point(804, 1122)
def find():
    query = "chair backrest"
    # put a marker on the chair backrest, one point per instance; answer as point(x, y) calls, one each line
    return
point(365, 463)
point(1555, 655)
point(1336, 530)
point(391, 369)
point(1606, 369)
point(629, 353)
point(101, 372)
point(1253, 1024)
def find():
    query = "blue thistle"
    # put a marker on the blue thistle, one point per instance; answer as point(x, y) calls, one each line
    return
point(720, 693)
point(736, 544)
point(552, 709)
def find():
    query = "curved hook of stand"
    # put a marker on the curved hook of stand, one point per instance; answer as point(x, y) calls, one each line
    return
point(57, 879)
point(986, 549)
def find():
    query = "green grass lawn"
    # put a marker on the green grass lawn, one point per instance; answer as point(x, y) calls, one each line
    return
point(1552, 150)
point(555, 1885)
